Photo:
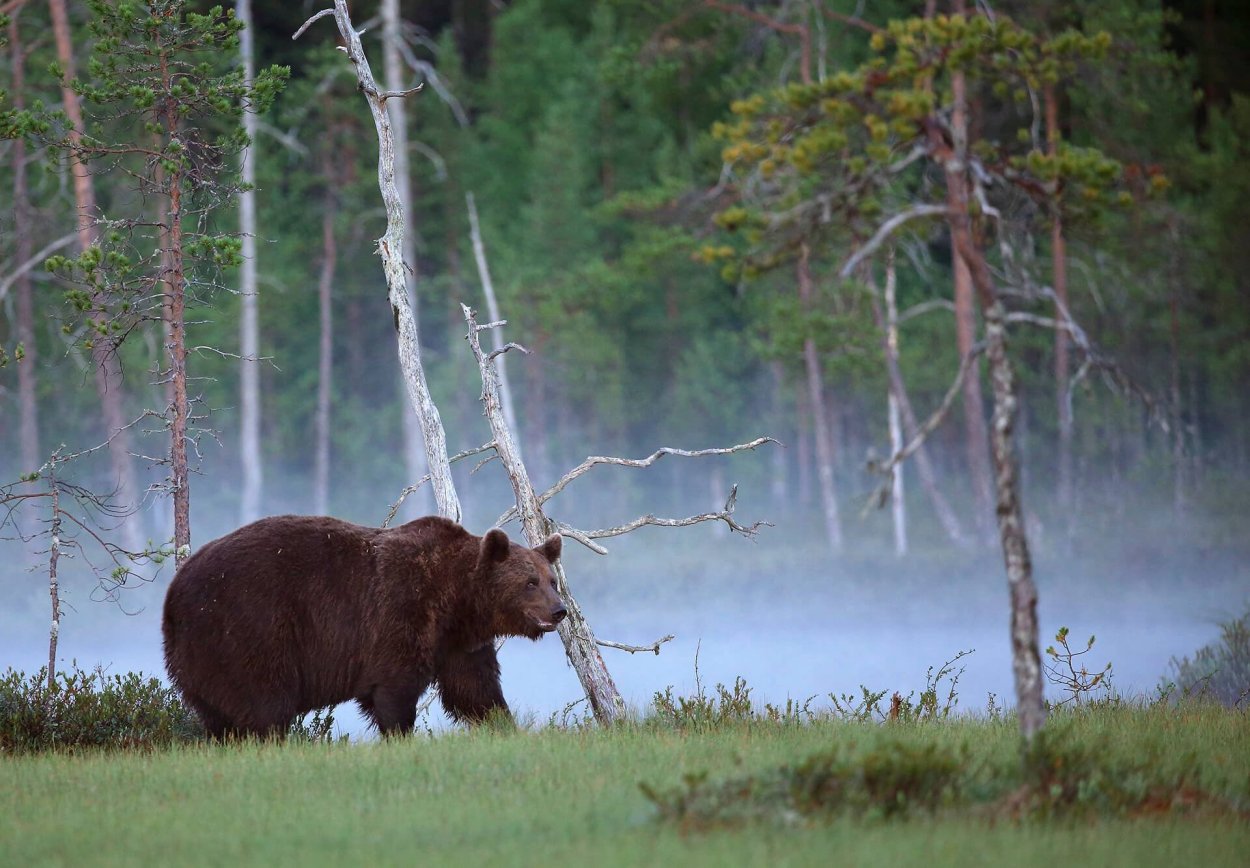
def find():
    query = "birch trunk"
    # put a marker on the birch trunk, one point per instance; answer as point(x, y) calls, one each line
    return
point(390, 247)
point(393, 73)
point(579, 639)
point(28, 406)
point(249, 314)
point(816, 401)
point(108, 375)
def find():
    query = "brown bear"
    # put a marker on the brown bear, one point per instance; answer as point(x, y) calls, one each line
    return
point(294, 613)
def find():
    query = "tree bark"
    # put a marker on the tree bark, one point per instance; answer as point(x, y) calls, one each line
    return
point(108, 375)
point(816, 401)
point(976, 437)
point(579, 640)
point(391, 246)
point(1025, 653)
point(898, 506)
point(492, 309)
point(325, 362)
point(27, 370)
point(393, 73)
point(249, 314)
point(924, 467)
point(1059, 277)
point(176, 349)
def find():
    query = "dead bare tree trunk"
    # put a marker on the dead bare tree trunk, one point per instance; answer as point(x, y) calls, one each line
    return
point(897, 505)
point(249, 314)
point(393, 75)
point(325, 362)
point(108, 376)
point(579, 640)
point(911, 427)
point(816, 401)
point(54, 555)
point(391, 246)
point(28, 406)
point(492, 309)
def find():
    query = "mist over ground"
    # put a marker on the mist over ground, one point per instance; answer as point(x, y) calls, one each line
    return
point(780, 611)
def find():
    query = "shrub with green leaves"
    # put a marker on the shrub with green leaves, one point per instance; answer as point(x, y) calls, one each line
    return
point(90, 710)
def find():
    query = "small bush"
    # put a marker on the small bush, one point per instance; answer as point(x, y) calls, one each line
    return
point(90, 710)
point(1219, 671)
point(892, 780)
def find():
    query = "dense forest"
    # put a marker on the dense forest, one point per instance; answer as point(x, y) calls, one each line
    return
point(681, 206)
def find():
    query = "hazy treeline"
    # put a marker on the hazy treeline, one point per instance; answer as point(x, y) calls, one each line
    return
point(585, 131)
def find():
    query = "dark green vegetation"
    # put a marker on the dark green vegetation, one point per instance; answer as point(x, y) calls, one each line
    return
point(587, 133)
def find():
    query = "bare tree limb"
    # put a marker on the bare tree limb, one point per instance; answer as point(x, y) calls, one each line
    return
point(34, 261)
point(411, 489)
point(654, 647)
point(884, 231)
point(934, 420)
point(655, 456)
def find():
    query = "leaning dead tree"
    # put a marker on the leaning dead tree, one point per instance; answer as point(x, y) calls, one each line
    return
point(579, 640)
point(390, 248)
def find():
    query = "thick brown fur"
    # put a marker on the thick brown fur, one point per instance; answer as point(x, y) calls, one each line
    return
point(294, 613)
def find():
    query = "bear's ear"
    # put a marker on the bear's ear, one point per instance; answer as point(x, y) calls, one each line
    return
point(494, 546)
point(551, 548)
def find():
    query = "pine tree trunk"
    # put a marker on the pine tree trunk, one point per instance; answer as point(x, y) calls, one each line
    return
point(393, 73)
point(249, 314)
point(325, 362)
point(976, 438)
point(108, 375)
point(816, 400)
point(27, 369)
point(176, 348)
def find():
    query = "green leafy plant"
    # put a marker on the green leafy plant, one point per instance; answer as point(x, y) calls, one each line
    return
point(90, 709)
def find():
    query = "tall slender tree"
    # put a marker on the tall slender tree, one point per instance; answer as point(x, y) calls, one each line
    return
point(250, 457)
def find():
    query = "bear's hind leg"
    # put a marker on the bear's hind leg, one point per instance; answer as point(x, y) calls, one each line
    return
point(468, 683)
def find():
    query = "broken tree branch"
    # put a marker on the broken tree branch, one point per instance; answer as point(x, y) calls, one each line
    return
point(654, 647)
point(390, 247)
point(655, 456)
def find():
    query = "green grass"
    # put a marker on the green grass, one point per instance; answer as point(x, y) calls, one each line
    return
point(482, 798)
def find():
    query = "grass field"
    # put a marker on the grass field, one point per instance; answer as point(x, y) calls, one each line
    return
point(573, 796)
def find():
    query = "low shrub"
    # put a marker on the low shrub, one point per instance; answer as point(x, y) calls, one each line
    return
point(90, 709)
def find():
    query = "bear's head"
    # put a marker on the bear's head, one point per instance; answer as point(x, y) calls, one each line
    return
point(522, 585)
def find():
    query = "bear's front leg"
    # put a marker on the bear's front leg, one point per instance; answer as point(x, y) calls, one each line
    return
point(468, 683)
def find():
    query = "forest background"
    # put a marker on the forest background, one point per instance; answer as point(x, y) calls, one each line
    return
point(598, 141)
